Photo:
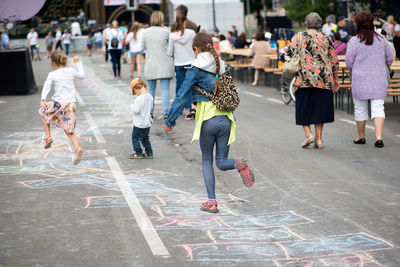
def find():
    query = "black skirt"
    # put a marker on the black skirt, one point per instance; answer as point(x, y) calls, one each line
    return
point(314, 106)
point(396, 43)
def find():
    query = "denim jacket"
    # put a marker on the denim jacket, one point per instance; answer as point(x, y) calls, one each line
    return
point(202, 74)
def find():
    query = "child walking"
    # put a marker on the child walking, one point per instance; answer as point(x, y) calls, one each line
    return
point(140, 110)
point(213, 126)
point(61, 111)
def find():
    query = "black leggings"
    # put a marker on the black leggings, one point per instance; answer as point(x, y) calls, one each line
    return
point(116, 61)
point(58, 45)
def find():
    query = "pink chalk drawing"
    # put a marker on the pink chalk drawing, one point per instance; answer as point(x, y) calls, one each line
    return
point(252, 221)
point(105, 201)
point(290, 250)
point(345, 261)
point(147, 173)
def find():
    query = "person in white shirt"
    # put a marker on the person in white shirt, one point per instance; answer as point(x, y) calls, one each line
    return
point(180, 47)
point(33, 40)
point(135, 38)
point(105, 33)
point(61, 111)
point(66, 37)
point(140, 110)
point(224, 45)
point(58, 39)
point(327, 27)
point(114, 39)
point(76, 28)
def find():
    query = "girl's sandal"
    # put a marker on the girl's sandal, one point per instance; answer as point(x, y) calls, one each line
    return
point(193, 113)
point(146, 156)
point(78, 156)
point(210, 206)
point(135, 156)
point(187, 117)
point(245, 171)
point(47, 142)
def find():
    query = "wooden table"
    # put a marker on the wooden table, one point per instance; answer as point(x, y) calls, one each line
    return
point(245, 52)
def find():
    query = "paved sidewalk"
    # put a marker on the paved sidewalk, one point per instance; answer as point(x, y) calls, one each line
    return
point(333, 207)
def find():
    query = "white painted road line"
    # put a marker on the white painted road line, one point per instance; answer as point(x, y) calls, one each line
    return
point(250, 93)
point(275, 100)
point(79, 98)
point(94, 128)
point(355, 124)
point(150, 234)
point(3, 102)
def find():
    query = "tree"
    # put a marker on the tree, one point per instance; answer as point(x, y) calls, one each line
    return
point(297, 10)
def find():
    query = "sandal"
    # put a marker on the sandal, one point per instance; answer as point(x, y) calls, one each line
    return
point(188, 117)
point(135, 156)
point(47, 142)
point(78, 156)
point(319, 144)
point(210, 206)
point(307, 141)
point(245, 171)
point(147, 156)
point(193, 113)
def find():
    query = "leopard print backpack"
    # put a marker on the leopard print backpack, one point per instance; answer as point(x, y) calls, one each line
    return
point(225, 97)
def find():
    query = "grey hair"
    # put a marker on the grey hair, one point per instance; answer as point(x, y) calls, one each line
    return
point(313, 21)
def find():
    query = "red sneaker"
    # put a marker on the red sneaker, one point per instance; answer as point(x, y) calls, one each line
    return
point(210, 206)
point(245, 171)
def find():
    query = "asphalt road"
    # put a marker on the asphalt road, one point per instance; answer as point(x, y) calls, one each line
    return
point(339, 206)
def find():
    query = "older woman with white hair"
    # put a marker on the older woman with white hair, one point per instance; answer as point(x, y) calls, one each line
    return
point(159, 65)
point(316, 79)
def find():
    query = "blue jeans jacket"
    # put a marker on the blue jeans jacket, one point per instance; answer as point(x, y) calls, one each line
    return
point(194, 76)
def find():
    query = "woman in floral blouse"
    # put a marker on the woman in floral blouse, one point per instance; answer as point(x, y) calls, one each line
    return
point(315, 80)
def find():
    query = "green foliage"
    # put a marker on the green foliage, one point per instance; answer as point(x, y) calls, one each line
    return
point(257, 5)
point(62, 8)
point(297, 10)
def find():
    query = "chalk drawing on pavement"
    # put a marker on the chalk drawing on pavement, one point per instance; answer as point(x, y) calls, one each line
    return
point(291, 250)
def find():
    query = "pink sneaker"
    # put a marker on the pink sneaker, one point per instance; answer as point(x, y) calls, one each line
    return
point(245, 171)
point(210, 206)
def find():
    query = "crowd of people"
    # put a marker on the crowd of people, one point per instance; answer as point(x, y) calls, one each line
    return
point(181, 52)
point(342, 32)
point(196, 60)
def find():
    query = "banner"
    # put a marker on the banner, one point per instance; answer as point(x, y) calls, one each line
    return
point(114, 2)
point(150, 2)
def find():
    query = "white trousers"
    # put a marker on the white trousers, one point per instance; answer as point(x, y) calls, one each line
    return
point(361, 109)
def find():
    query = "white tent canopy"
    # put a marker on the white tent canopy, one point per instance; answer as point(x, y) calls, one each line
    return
point(227, 13)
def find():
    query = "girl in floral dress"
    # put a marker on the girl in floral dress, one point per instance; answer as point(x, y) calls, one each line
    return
point(61, 111)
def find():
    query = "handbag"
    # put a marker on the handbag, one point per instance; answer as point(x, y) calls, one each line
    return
point(387, 66)
point(291, 66)
point(226, 98)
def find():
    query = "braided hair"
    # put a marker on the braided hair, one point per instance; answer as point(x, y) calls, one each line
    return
point(204, 43)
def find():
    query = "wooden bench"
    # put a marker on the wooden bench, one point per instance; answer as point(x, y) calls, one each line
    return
point(241, 69)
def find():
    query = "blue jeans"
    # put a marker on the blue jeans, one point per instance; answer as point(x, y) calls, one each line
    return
point(141, 135)
point(66, 49)
point(215, 131)
point(164, 83)
point(180, 77)
point(116, 61)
